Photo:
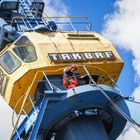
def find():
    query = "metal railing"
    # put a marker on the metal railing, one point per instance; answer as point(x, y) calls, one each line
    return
point(63, 23)
point(53, 87)
point(26, 96)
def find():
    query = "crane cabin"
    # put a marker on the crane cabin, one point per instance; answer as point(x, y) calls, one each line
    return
point(35, 52)
point(35, 47)
point(34, 56)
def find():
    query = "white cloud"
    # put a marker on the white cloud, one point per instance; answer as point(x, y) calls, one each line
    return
point(5, 120)
point(123, 28)
point(130, 135)
point(136, 93)
point(55, 8)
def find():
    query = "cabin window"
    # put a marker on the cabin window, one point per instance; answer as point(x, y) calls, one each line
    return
point(25, 50)
point(9, 62)
point(3, 80)
point(23, 41)
point(26, 53)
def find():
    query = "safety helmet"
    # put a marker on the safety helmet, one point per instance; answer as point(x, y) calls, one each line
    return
point(75, 67)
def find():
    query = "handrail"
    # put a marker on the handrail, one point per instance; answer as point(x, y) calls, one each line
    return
point(123, 114)
point(22, 106)
point(26, 95)
point(87, 65)
point(85, 22)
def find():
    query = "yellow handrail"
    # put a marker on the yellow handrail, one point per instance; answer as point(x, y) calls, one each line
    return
point(23, 103)
point(34, 79)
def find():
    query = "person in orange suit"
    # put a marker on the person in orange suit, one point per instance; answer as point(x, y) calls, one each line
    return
point(69, 80)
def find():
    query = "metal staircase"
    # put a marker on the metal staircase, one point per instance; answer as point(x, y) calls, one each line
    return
point(47, 113)
point(30, 126)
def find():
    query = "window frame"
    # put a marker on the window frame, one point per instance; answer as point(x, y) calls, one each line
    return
point(15, 57)
point(22, 59)
point(25, 45)
point(17, 41)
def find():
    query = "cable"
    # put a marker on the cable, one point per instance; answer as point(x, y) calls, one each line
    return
point(108, 75)
point(132, 122)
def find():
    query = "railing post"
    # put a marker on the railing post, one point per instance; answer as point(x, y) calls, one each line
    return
point(48, 81)
point(39, 119)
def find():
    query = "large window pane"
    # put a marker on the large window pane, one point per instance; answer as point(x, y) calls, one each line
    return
point(26, 53)
point(9, 62)
point(25, 50)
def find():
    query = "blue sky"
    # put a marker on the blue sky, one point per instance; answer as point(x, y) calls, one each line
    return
point(96, 10)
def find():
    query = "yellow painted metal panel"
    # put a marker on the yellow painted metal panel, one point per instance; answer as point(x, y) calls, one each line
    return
point(55, 42)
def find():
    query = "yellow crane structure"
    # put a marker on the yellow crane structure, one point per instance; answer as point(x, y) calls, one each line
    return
point(34, 54)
